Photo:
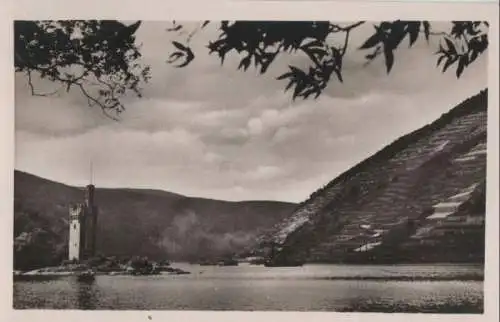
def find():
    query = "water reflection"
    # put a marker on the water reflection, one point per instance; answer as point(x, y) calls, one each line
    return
point(86, 294)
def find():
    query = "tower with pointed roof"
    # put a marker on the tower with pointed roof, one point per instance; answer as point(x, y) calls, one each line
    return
point(82, 226)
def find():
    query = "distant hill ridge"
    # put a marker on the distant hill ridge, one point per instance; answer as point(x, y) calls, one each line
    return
point(325, 227)
point(153, 223)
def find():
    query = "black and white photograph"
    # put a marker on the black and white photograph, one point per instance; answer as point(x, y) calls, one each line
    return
point(251, 165)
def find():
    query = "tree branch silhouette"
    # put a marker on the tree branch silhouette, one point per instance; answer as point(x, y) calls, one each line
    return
point(262, 41)
point(75, 52)
point(103, 53)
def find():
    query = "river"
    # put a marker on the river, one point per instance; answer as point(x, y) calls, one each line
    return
point(391, 288)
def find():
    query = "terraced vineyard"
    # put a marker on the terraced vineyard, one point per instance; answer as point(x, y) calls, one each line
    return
point(412, 194)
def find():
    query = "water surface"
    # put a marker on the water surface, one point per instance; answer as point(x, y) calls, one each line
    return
point(399, 288)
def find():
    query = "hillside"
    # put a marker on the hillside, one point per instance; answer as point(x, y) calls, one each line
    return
point(131, 222)
point(410, 202)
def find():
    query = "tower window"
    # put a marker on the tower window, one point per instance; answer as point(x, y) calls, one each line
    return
point(74, 226)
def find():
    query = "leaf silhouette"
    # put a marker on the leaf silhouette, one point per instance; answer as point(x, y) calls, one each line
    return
point(268, 59)
point(414, 31)
point(189, 58)
point(289, 85)
point(372, 41)
point(285, 75)
point(448, 63)
point(451, 46)
point(175, 56)
point(396, 35)
point(245, 62)
point(440, 59)
point(296, 71)
point(298, 89)
point(473, 55)
point(389, 58)
point(339, 75)
point(427, 30)
point(176, 28)
point(180, 46)
point(133, 28)
point(462, 62)
point(129, 30)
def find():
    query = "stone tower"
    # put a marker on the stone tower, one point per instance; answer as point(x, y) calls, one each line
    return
point(82, 227)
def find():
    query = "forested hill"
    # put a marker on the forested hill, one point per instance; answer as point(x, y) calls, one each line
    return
point(132, 222)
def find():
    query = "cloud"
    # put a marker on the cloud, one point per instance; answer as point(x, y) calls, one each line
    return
point(264, 173)
point(255, 126)
point(211, 157)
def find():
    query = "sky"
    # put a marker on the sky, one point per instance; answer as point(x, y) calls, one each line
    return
point(215, 132)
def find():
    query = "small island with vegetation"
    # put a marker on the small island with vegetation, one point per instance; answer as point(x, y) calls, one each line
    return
point(102, 265)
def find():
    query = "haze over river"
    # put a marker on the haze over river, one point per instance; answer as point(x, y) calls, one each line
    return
point(392, 288)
